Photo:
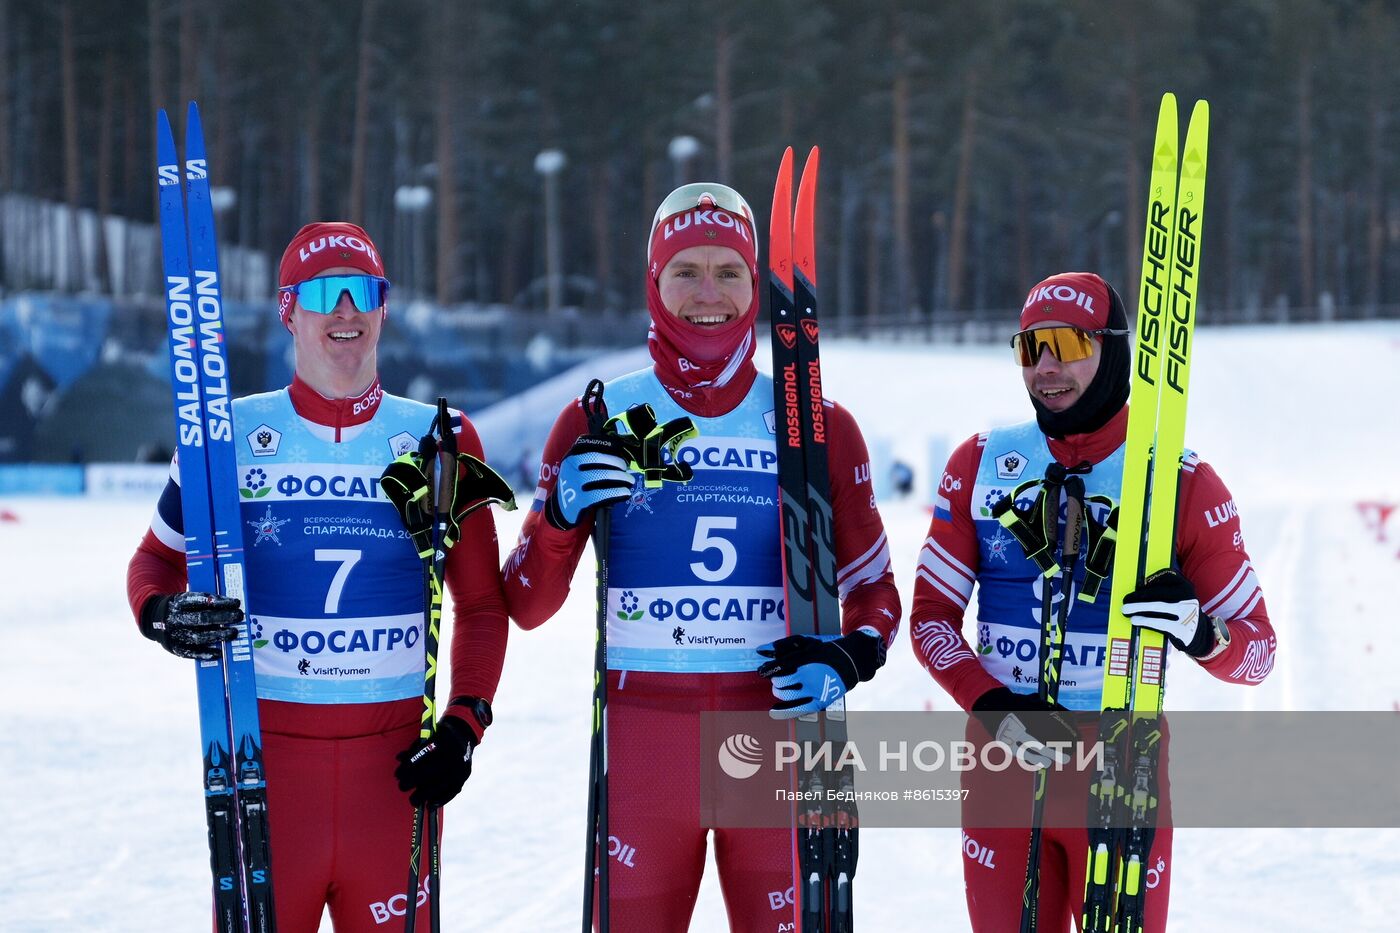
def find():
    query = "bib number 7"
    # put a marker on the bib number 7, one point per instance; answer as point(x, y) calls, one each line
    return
point(347, 560)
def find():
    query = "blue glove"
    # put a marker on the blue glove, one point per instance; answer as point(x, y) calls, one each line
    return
point(593, 473)
point(810, 674)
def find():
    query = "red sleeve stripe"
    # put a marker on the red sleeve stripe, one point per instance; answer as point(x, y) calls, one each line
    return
point(1249, 606)
point(867, 568)
point(941, 645)
point(945, 572)
point(1238, 596)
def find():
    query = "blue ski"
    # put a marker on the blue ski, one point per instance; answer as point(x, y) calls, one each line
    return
point(235, 788)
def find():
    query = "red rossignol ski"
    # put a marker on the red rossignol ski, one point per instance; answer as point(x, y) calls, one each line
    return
point(824, 832)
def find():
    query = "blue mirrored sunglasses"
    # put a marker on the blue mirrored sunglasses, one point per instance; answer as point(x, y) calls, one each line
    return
point(320, 295)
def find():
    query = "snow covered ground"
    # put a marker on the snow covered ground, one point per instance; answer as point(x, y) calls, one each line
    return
point(99, 781)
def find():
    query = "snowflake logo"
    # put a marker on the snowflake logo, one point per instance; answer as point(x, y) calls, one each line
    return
point(640, 498)
point(997, 545)
point(267, 527)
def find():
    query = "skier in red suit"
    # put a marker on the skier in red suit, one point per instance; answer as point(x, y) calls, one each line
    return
point(336, 590)
point(1074, 355)
point(695, 577)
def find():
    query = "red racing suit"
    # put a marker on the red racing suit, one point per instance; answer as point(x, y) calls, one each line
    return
point(963, 548)
point(340, 827)
point(664, 546)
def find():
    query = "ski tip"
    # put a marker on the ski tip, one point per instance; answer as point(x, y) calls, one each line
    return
point(1167, 114)
point(1201, 112)
point(166, 171)
point(804, 252)
point(780, 224)
point(194, 127)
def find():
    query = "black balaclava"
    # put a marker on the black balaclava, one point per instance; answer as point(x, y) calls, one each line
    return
point(1107, 392)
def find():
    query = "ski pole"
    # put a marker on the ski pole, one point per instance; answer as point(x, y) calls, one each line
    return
point(441, 449)
point(596, 853)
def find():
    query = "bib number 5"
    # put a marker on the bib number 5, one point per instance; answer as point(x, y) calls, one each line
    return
point(706, 539)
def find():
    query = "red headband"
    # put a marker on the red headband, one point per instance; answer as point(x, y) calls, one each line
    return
point(321, 246)
point(1077, 298)
point(702, 226)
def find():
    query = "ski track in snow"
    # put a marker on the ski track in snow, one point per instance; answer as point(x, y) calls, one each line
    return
point(100, 794)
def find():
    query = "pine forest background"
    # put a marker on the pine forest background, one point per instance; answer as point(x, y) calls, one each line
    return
point(969, 149)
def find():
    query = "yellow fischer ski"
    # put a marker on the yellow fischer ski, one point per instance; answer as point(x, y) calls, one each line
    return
point(1122, 816)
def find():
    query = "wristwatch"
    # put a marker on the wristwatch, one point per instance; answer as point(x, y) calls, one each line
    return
point(1222, 637)
point(479, 707)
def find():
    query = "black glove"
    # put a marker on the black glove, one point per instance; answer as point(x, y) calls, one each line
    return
point(810, 674)
point(593, 473)
point(432, 771)
point(1167, 602)
point(191, 625)
point(1025, 721)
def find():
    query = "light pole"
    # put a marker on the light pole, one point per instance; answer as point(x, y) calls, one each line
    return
point(411, 201)
point(549, 163)
point(681, 150)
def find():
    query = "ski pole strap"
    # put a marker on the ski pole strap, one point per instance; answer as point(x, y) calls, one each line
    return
point(406, 484)
point(470, 486)
point(1034, 528)
point(652, 448)
point(478, 485)
point(1101, 539)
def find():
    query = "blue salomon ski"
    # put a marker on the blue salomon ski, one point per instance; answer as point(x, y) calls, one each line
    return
point(235, 789)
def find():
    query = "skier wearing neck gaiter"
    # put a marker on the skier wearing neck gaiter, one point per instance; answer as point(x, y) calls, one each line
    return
point(711, 546)
point(1074, 355)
